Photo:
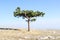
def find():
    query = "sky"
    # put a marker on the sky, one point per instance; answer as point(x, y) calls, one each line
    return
point(51, 19)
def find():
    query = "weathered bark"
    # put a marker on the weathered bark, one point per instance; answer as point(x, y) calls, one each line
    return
point(28, 24)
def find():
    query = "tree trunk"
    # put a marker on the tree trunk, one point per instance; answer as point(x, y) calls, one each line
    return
point(28, 24)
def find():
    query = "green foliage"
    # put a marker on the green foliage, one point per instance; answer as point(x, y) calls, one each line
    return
point(28, 13)
point(33, 19)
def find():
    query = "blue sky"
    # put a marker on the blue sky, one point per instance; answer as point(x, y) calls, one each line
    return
point(51, 8)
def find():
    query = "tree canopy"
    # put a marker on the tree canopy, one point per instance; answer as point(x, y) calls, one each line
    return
point(28, 14)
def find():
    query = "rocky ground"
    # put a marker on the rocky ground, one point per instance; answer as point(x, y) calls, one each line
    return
point(22, 34)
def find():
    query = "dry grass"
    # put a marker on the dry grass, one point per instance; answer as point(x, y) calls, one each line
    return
point(23, 33)
point(16, 34)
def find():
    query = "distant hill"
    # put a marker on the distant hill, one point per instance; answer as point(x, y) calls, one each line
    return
point(8, 29)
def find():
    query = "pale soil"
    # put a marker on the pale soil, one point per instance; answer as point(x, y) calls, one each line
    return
point(22, 34)
point(16, 34)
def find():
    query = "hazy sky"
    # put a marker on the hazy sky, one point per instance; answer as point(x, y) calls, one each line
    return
point(51, 8)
